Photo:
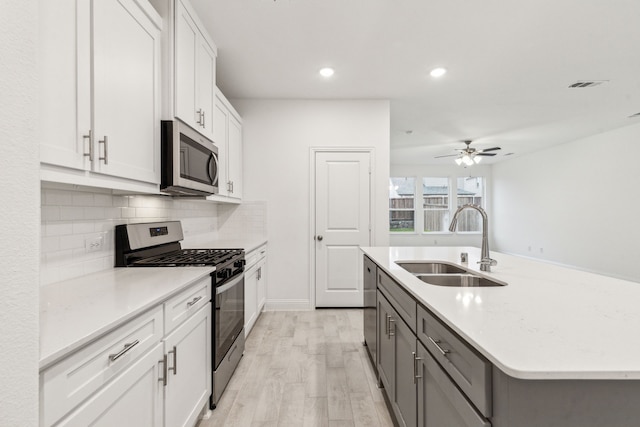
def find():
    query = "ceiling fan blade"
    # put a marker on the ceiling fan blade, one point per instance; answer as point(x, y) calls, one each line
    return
point(448, 155)
point(490, 149)
point(485, 154)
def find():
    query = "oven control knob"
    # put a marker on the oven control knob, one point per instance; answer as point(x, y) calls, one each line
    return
point(223, 274)
point(239, 264)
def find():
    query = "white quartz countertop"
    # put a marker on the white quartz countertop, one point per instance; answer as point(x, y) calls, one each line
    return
point(549, 322)
point(77, 311)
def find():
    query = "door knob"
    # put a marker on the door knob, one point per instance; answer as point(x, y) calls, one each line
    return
point(319, 238)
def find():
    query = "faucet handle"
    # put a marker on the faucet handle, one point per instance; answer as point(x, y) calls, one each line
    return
point(488, 261)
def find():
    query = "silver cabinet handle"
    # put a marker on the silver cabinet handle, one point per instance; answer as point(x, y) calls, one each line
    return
point(440, 349)
point(392, 330)
point(90, 153)
point(128, 346)
point(386, 330)
point(194, 301)
point(415, 367)
point(319, 238)
point(104, 141)
point(203, 119)
point(163, 379)
point(175, 360)
point(199, 113)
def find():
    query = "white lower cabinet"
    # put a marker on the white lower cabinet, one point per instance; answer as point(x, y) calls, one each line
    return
point(188, 384)
point(134, 398)
point(155, 370)
point(255, 286)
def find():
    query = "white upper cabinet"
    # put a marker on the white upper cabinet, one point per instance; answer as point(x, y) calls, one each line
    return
point(195, 71)
point(228, 139)
point(100, 93)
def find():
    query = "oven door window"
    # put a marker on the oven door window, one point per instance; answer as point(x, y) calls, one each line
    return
point(229, 316)
point(197, 163)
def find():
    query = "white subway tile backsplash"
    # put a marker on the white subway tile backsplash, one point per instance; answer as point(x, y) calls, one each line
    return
point(72, 215)
point(82, 199)
point(50, 213)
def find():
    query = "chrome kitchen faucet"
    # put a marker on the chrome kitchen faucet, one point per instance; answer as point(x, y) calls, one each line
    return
point(485, 261)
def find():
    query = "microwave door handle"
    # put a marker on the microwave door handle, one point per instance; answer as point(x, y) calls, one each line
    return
point(211, 163)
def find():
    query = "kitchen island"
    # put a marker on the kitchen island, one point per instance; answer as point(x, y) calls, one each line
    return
point(562, 345)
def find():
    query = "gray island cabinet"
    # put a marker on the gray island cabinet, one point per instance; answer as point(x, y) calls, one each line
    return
point(433, 377)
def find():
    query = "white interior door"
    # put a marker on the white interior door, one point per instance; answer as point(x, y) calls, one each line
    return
point(342, 224)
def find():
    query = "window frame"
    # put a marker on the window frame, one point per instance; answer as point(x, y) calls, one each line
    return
point(414, 210)
point(418, 203)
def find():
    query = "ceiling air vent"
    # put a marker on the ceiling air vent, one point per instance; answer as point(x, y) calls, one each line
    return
point(587, 83)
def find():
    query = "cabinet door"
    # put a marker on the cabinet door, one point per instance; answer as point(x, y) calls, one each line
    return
point(221, 120)
point(440, 402)
point(206, 68)
point(186, 51)
point(189, 372)
point(386, 351)
point(369, 312)
point(250, 299)
point(64, 83)
point(404, 401)
point(134, 398)
point(262, 284)
point(235, 157)
point(397, 347)
point(126, 61)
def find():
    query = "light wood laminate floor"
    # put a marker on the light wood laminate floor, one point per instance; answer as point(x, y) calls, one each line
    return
point(303, 368)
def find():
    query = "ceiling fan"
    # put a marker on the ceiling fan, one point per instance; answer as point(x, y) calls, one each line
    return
point(469, 155)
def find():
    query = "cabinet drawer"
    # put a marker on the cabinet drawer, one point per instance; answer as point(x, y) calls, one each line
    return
point(404, 304)
point(436, 390)
point(470, 371)
point(255, 255)
point(186, 303)
point(69, 382)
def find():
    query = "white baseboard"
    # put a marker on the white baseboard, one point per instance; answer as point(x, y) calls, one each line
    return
point(288, 305)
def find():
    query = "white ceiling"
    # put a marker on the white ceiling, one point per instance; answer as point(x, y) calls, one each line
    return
point(509, 65)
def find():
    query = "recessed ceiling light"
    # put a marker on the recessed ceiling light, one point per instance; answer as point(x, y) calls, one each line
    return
point(438, 72)
point(327, 72)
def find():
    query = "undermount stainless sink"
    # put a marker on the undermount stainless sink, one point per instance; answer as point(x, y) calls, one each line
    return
point(445, 274)
point(428, 267)
point(464, 280)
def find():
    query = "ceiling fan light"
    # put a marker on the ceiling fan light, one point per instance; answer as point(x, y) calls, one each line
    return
point(477, 159)
point(459, 161)
point(467, 160)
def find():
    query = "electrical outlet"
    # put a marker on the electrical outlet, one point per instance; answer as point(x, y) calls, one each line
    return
point(93, 244)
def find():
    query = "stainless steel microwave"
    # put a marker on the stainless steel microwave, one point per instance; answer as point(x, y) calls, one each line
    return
point(189, 161)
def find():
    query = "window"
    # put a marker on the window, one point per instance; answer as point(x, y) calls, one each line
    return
point(435, 204)
point(470, 190)
point(439, 199)
point(402, 192)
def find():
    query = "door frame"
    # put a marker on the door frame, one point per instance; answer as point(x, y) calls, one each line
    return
point(312, 205)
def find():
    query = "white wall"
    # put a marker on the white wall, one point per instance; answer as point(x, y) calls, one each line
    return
point(444, 238)
point(575, 204)
point(277, 137)
point(19, 213)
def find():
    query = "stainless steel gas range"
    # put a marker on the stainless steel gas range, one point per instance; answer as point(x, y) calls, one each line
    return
point(157, 244)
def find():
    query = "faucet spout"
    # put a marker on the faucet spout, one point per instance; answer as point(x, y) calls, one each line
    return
point(485, 260)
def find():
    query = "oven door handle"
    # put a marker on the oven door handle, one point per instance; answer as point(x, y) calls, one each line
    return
point(229, 285)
